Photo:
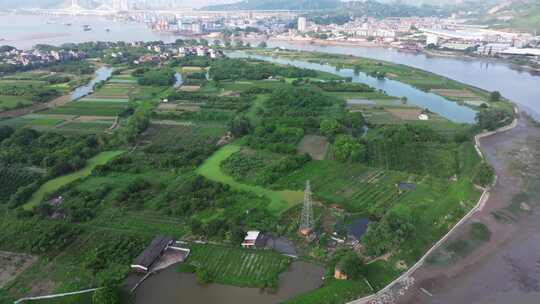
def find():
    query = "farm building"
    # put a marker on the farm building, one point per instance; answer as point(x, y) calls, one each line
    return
point(254, 239)
point(151, 253)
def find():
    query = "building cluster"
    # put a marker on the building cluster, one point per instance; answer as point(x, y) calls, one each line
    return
point(200, 22)
point(163, 52)
point(38, 57)
point(483, 42)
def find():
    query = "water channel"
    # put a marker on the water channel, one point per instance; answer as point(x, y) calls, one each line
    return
point(103, 73)
point(518, 84)
point(435, 103)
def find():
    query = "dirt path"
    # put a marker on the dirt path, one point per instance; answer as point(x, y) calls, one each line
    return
point(507, 268)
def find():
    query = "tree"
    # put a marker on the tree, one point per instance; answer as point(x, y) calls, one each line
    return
point(330, 127)
point(492, 119)
point(106, 295)
point(203, 275)
point(262, 45)
point(495, 96)
point(351, 265)
point(240, 126)
point(348, 149)
point(5, 132)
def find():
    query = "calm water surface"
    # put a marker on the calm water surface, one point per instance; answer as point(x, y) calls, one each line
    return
point(435, 103)
point(102, 74)
point(517, 84)
point(172, 287)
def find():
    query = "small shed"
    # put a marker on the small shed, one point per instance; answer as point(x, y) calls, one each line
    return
point(151, 253)
point(254, 239)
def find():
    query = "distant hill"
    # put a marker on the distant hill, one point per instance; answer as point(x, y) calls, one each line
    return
point(516, 14)
point(276, 5)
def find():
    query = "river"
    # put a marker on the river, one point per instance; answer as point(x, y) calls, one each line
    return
point(171, 287)
point(435, 103)
point(519, 85)
point(101, 74)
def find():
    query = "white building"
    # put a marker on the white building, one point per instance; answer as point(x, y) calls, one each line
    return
point(252, 239)
point(432, 39)
point(302, 24)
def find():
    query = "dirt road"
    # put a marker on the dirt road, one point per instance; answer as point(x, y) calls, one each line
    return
point(507, 268)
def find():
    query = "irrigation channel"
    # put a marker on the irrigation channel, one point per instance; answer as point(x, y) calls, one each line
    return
point(102, 74)
point(435, 103)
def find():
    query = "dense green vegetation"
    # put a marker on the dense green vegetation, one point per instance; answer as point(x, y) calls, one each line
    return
point(222, 157)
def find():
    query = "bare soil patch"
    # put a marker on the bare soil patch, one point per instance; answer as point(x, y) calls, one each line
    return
point(404, 114)
point(314, 145)
point(13, 264)
point(454, 93)
point(94, 118)
point(190, 88)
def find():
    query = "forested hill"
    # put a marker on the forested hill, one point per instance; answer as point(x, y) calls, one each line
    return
point(277, 5)
point(339, 10)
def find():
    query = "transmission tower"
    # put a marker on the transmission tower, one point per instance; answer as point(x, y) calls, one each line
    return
point(306, 220)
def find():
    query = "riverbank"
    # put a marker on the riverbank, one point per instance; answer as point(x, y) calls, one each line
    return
point(460, 55)
point(370, 44)
point(499, 269)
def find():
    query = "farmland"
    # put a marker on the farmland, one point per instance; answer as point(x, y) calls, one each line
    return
point(56, 183)
point(280, 200)
point(239, 267)
point(94, 180)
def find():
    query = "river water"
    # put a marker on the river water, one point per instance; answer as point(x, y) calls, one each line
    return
point(435, 103)
point(101, 74)
point(519, 85)
point(172, 287)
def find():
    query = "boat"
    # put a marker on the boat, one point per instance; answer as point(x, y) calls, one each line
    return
point(87, 28)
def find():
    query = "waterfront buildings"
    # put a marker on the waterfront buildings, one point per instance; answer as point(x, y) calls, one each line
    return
point(302, 24)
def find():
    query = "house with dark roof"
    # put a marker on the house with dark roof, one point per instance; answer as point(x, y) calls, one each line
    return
point(152, 253)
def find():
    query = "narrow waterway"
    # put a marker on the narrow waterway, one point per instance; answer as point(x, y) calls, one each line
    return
point(435, 103)
point(172, 287)
point(518, 84)
point(101, 74)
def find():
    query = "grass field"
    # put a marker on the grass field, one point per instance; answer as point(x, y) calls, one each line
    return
point(279, 200)
point(237, 266)
point(89, 108)
point(10, 102)
point(58, 182)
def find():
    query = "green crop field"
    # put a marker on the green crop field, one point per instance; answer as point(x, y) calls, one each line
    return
point(237, 266)
point(58, 182)
point(9, 102)
point(85, 127)
point(106, 100)
point(89, 108)
point(280, 200)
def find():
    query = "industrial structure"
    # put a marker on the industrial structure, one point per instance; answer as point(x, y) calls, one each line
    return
point(306, 218)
